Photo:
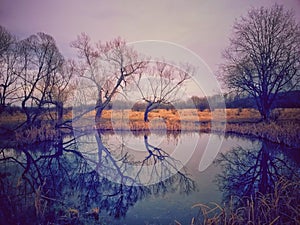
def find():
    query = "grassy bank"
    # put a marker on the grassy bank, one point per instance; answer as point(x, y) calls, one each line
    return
point(284, 130)
point(281, 132)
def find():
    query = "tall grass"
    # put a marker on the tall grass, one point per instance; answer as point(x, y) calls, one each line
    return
point(282, 206)
point(287, 133)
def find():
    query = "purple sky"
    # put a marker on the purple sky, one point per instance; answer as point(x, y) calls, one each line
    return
point(203, 26)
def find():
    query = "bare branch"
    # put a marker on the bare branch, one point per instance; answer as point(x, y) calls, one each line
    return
point(263, 58)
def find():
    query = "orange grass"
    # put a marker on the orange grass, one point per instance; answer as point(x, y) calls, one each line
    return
point(285, 130)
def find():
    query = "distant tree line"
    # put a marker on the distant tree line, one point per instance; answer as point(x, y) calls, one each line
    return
point(290, 100)
point(284, 100)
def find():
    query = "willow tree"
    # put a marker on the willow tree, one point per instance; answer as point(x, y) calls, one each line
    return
point(263, 58)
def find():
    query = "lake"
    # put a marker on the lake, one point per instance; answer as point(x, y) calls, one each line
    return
point(135, 178)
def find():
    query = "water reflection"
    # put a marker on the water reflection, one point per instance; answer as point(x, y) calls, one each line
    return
point(143, 164)
point(74, 180)
point(249, 171)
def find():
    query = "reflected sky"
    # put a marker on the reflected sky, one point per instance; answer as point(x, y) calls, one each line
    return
point(66, 182)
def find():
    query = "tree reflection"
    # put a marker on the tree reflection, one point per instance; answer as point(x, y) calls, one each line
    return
point(165, 166)
point(249, 171)
point(56, 182)
point(35, 177)
point(121, 177)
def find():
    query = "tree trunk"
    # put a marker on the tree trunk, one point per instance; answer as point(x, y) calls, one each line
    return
point(147, 110)
point(265, 108)
point(28, 118)
point(98, 115)
point(265, 113)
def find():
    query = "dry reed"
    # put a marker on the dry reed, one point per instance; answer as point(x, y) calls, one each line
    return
point(285, 130)
point(279, 207)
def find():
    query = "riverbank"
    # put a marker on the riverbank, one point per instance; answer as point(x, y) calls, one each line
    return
point(284, 130)
point(281, 132)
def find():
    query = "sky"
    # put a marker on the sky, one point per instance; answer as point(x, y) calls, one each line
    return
point(202, 26)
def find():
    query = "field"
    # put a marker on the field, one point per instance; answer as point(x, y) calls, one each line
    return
point(172, 120)
point(284, 128)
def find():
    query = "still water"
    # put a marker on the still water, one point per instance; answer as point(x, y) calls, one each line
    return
point(141, 178)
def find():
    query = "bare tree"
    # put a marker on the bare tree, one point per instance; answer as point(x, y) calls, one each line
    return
point(106, 68)
point(263, 58)
point(40, 60)
point(161, 84)
point(8, 68)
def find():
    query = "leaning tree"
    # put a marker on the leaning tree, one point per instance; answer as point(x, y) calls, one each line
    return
point(105, 68)
point(263, 58)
